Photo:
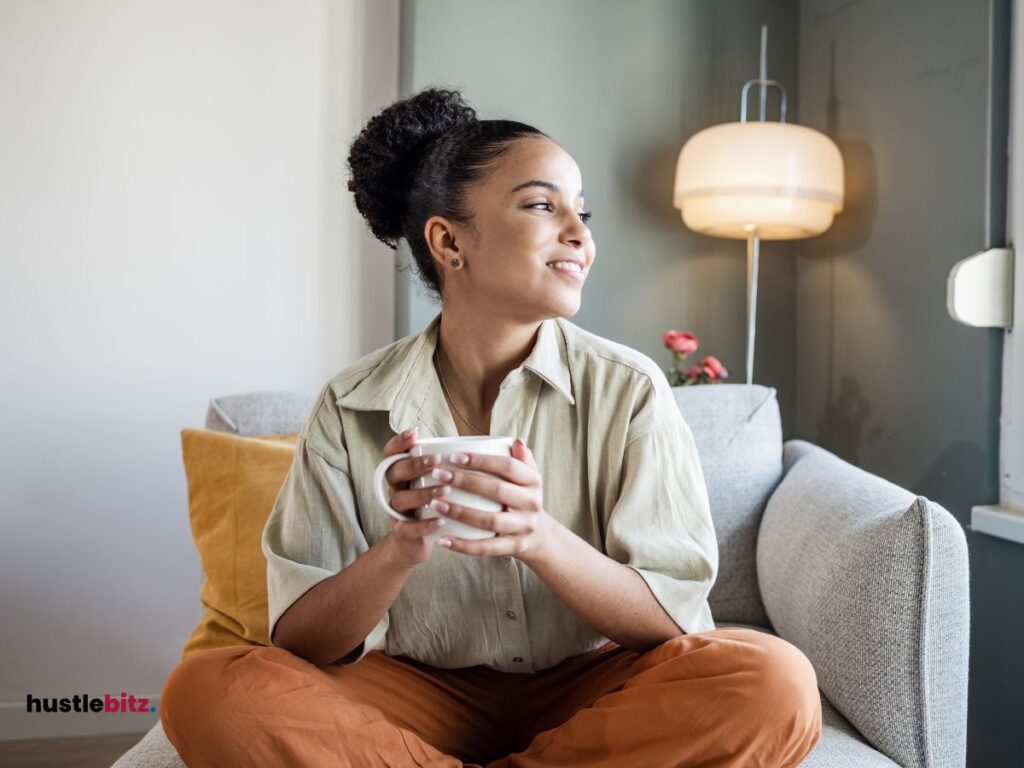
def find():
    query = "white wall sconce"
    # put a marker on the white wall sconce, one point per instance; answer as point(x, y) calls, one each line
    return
point(979, 289)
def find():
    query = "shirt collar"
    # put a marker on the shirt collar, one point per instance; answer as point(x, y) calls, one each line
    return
point(405, 383)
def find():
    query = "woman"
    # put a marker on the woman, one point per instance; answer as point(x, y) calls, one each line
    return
point(580, 634)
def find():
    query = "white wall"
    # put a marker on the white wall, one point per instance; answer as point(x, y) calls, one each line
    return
point(174, 225)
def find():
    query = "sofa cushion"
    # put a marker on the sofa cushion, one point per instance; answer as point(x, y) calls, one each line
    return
point(738, 434)
point(870, 581)
point(232, 485)
point(840, 745)
point(154, 750)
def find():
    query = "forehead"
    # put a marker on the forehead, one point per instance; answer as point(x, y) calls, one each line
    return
point(540, 159)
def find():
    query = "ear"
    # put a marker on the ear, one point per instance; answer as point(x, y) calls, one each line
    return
point(439, 233)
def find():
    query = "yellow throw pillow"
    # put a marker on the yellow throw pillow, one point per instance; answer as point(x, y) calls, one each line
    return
point(232, 485)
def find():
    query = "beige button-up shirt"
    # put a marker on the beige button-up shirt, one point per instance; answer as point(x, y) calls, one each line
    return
point(619, 467)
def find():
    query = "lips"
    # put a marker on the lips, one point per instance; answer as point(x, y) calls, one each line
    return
point(568, 274)
point(582, 262)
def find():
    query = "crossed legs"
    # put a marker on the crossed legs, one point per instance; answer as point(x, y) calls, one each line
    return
point(731, 697)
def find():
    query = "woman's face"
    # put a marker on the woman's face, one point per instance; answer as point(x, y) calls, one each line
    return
point(526, 216)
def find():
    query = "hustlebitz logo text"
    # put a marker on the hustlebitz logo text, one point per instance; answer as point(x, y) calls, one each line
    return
point(83, 702)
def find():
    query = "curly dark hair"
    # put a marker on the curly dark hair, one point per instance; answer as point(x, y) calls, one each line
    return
point(415, 159)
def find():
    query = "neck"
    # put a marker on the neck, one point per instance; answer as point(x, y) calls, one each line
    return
point(478, 354)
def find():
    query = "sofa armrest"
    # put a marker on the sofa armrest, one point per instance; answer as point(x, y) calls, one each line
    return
point(870, 581)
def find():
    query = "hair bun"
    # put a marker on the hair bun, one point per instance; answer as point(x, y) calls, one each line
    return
point(386, 153)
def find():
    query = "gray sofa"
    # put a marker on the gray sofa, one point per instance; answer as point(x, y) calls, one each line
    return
point(869, 580)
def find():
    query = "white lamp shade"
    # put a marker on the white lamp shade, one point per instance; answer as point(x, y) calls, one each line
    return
point(784, 180)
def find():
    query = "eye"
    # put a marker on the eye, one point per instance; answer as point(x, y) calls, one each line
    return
point(534, 205)
point(584, 215)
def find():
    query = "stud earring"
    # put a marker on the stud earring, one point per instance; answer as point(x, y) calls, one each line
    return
point(455, 263)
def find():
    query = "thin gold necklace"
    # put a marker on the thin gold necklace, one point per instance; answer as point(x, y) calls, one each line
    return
point(450, 398)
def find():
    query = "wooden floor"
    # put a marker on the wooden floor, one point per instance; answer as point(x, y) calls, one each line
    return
point(75, 752)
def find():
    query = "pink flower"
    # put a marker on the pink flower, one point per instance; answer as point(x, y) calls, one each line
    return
point(694, 372)
point(680, 342)
point(714, 368)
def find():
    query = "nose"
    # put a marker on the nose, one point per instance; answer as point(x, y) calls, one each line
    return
point(577, 233)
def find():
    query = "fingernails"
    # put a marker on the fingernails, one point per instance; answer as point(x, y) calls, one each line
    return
point(437, 522)
point(440, 490)
point(443, 475)
point(444, 543)
point(408, 433)
point(439, 506)
point(458, 458)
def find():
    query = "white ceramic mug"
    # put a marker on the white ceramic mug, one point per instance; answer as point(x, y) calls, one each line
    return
point(496, 445)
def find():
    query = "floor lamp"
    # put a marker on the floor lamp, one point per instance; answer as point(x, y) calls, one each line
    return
point(759, 180)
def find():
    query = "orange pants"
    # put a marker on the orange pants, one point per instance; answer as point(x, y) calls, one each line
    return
point(730, 697)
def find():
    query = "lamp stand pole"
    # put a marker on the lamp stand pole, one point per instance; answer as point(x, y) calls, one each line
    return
point(753, 247)
point(753, 237)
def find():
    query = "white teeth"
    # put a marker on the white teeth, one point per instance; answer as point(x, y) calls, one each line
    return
point(570, 266)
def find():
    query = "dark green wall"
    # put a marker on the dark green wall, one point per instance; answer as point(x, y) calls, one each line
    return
point(885, 378)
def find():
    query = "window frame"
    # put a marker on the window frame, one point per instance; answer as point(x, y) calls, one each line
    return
point(1006, 52)
point(1011, 420)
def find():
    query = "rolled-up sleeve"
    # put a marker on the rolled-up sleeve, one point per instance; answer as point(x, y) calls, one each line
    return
point(313, 531)
point(660, 525)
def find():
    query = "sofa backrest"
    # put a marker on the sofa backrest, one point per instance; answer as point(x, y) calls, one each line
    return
point(259, 413)
point(738, 434)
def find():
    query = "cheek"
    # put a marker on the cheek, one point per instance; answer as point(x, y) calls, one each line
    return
point(513, 249)
point(526, 233)
point(510, 248)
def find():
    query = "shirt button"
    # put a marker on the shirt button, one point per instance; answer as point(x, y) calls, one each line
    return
point(510, 614)
point(518, 659)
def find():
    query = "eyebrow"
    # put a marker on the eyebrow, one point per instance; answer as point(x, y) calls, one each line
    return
point(539, 183)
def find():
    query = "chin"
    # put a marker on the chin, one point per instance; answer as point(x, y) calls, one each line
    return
point(557, 301)
point(566, 308)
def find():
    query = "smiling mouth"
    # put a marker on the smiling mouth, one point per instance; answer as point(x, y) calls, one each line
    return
point(569, 273)
point(570, 267)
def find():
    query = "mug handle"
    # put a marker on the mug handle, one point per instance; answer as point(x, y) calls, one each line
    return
point(378, 478)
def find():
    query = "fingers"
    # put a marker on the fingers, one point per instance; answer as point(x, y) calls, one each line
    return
point(416, 529)
point(402, 472)
point(506, 467)
point(400, 442)
point(418, 497)
point(504, 479)
point(403, 498)
point(525, 453)
point(494, 488)
point(489, 547)
point(503, 523)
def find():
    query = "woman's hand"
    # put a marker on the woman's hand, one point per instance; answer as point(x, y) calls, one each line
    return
point(407, 538)
point(523, 530)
